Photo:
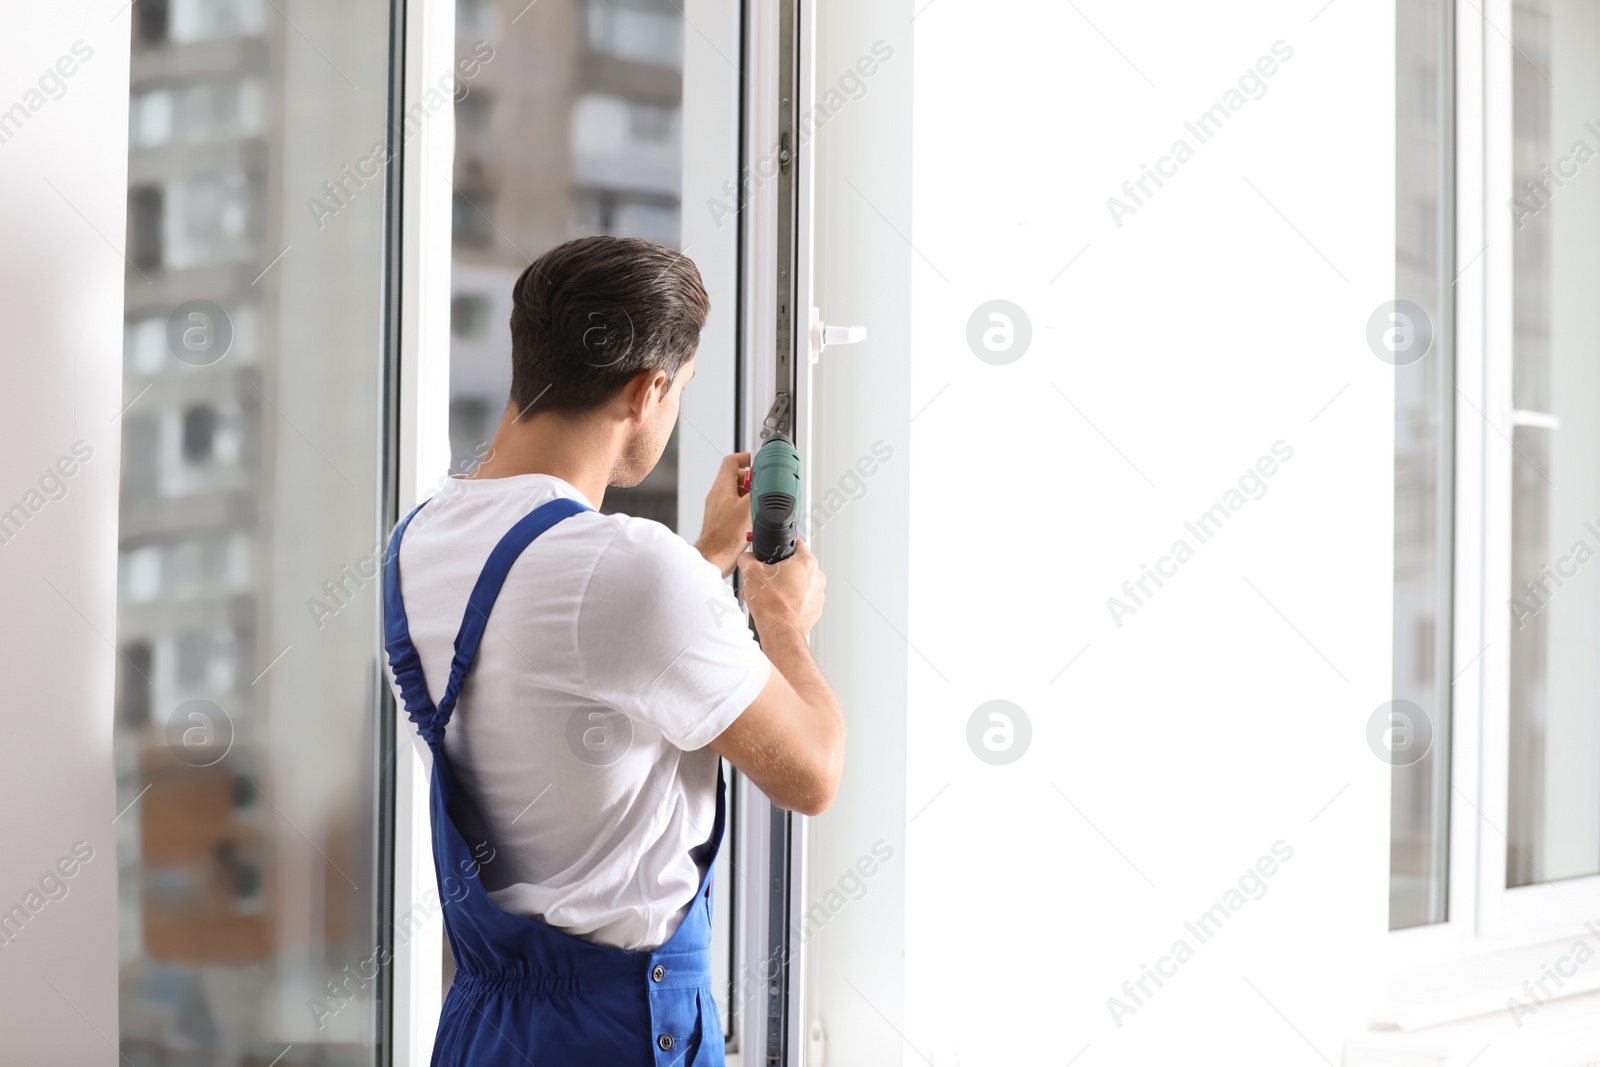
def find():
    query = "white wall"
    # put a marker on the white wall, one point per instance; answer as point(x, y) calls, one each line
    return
point(1176, 351)
point(1228, 713)
point(63, 187)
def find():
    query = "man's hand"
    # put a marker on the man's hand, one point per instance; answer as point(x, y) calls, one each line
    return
point(727, 521)
point(790, 740)
point(787, 595)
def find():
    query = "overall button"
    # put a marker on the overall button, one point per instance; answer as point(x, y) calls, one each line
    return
point(665, 1041)
point(659, 973)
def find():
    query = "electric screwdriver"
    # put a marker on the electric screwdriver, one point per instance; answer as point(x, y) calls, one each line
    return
point(774, 499)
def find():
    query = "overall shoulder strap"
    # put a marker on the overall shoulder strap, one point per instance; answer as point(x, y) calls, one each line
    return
point(487, 590)
point(403, 658)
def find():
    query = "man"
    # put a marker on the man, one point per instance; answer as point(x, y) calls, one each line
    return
point(578, 678)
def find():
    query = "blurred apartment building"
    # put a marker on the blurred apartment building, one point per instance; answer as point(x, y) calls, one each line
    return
point(192, 850)
point(572, 129)
point(238, 878)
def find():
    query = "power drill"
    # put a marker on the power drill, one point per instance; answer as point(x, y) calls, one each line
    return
point(774, 499)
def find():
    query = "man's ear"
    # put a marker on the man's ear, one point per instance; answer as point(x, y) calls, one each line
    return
point(646, 389)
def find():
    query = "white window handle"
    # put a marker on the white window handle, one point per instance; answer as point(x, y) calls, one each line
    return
point(823, 336)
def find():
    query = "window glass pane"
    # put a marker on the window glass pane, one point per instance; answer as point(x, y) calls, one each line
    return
point(247, 615)
point(569, 127)
point(1424, 262)
point(1554, 817)
point(641, 31)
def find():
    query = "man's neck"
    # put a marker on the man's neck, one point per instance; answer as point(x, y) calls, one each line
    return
point(579, 451)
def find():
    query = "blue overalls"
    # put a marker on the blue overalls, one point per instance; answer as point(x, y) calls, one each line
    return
point(525, 992)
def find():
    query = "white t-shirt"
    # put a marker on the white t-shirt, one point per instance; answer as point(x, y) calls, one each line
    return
point(613, 656)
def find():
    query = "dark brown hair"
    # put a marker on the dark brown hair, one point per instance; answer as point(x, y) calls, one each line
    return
point(590, 314)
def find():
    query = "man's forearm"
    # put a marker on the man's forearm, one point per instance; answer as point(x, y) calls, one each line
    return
point(786, 647)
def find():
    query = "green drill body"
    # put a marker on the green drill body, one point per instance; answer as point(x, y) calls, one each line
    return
point(774, 499)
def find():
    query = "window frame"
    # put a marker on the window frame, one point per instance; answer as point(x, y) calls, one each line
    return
point(422, 39)
point(1551, 909)
point(1492, 937)
point(773, 845)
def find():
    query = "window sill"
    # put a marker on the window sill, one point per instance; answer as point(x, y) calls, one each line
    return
point(1452, 991)
point(1563, 1032)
